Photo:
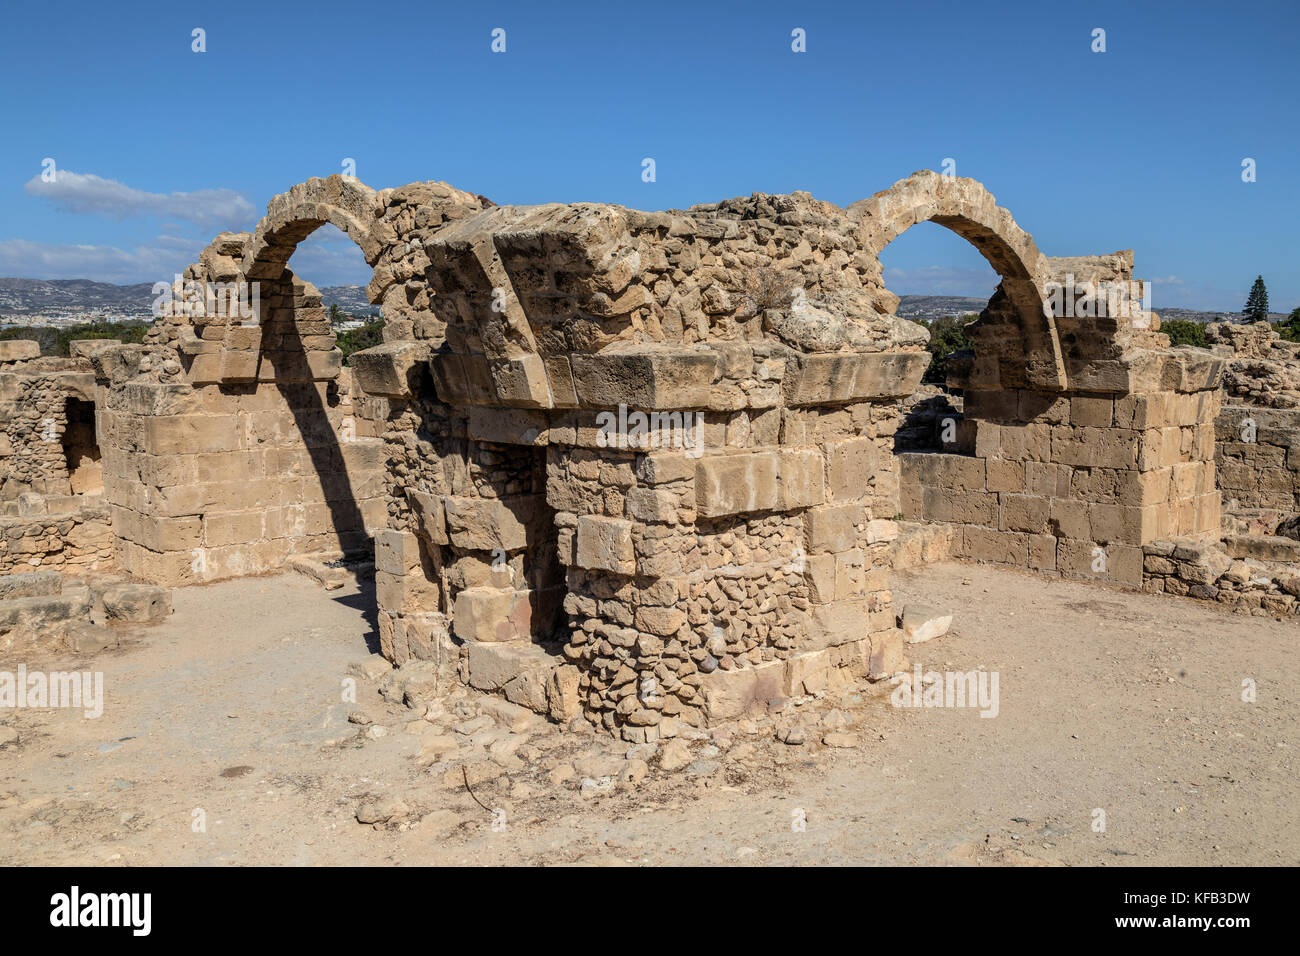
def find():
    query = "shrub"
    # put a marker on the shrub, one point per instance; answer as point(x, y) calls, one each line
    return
point(947, 335)
point(367, 336)
point(1183, 332)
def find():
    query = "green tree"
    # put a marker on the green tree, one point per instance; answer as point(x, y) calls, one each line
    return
point(1182, 332)
point(57, 341)
point(335, 315)
point(367, 336)
point(43, 335)
point(130, 333)
point(1289, 328)
point(947, 335)
point(1256, 309)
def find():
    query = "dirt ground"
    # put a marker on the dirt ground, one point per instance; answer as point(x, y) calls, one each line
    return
point(1125, 703)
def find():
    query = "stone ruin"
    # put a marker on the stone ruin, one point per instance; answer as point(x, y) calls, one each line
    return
point(643, 468)
point(57, 548)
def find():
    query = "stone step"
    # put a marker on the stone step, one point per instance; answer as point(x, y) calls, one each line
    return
point(527, 674)
point(1263, 547)
point(330, 569)
point(33, 612)
point(30, 584)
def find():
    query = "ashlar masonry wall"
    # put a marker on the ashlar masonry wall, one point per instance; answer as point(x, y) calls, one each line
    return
point(210, 480)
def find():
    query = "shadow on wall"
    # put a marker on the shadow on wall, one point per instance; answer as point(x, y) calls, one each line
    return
point(290, 341)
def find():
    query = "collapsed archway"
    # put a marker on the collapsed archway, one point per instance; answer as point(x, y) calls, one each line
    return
point(1016, 336)
point(280, 456)
point(943, 284)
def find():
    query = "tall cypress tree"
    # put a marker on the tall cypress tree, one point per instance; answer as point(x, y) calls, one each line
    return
point(1256, 309)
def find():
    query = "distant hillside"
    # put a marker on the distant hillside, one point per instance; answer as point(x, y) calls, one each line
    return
point(28, 297)
point(349, 298)
point(1193, 315)
point(39, 296)
point(936, 306)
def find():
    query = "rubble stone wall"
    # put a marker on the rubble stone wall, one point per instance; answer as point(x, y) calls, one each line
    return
point(45, 520)
point(1258, 429)
point(34, 422)
point(76, 536)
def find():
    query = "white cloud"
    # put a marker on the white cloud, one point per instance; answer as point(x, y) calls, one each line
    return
point(41, 260)
point(328, 257)
point(325, 258)
point(91, 195)
point(941, 280)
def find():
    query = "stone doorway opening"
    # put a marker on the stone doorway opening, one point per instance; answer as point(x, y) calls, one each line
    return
point(81, 449)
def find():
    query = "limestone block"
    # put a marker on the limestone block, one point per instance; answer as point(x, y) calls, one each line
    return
point(842, 377)
point(819, 574)
point(529, 687)
point(605, 544)
point(1113, 563)
point(850, 466)
point(801, 480)
point(430, 519)
point(405, 593)
point(488, 524)
point(508, 426)
point(559, 376)
point(1092, 411)
point(921, 623)
point(237, 365)
point(42, 610)
point(16, 350)
point(397, 552)
point(888, 656)
point(493, 666)
point(521, 382)
point(492, 615)
point(652, 379)
point(30, 584)
point(736, 484)
point(652, 505)
point(1023, 513)
point(842, 621)
point(807, 673)
point(732, 694)
point(881, 529)
point(831, 528)
point(1005, 475)
point(136, 603)
point(394, 369)
point(998, 547)
point(427, 638)
point(449, 378)
point(84, 348)
point(190, 434)
point(563, 702)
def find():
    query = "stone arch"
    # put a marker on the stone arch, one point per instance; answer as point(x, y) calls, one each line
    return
point(971, 211)
point(291, 217)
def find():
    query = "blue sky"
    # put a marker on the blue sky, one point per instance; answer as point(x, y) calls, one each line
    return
point(158, 147)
